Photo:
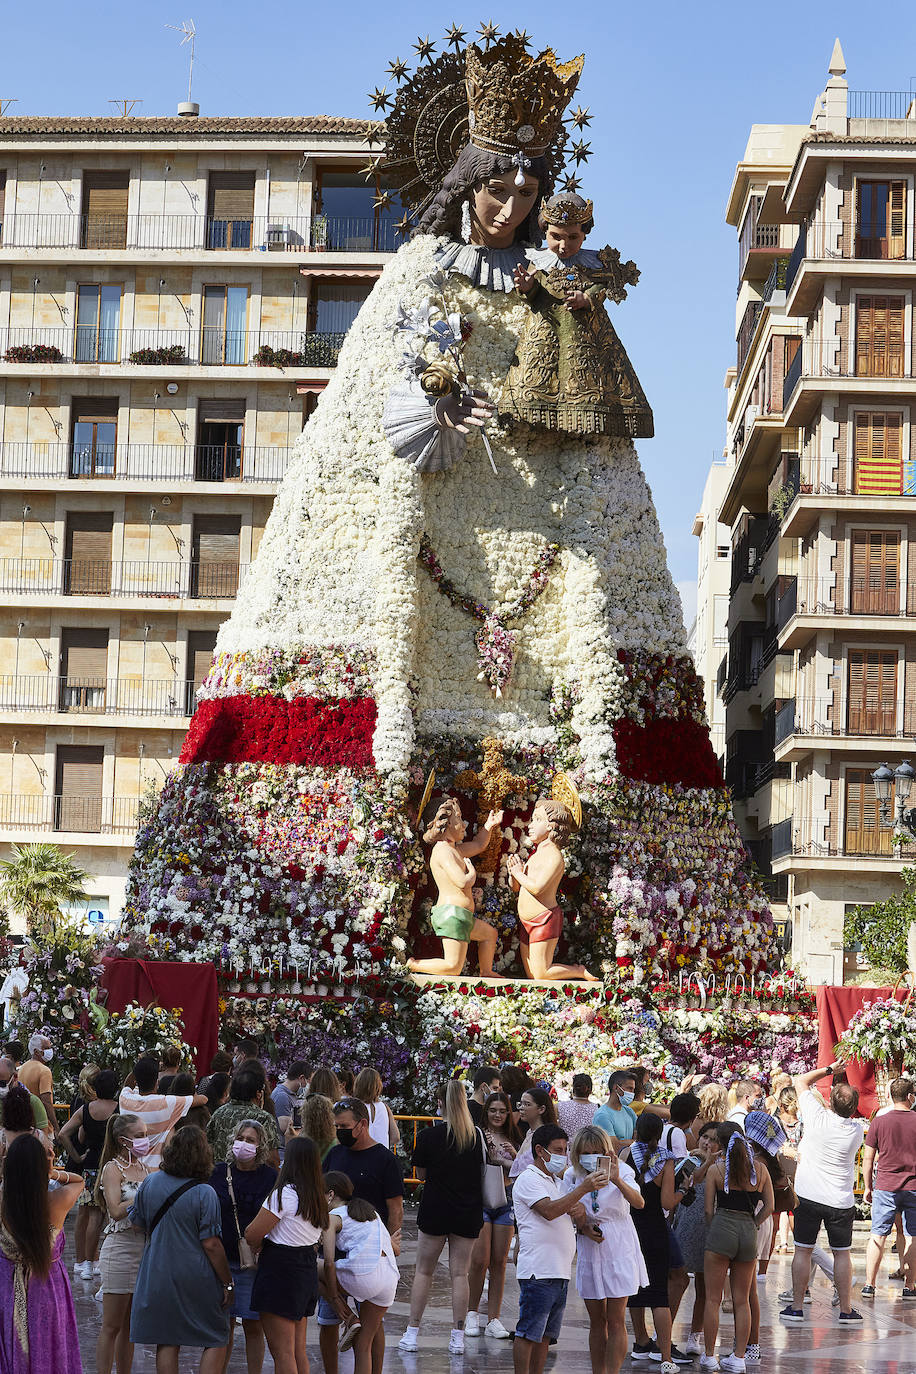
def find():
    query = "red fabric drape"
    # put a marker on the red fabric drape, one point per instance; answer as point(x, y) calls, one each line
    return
point(835, 1009)
point(192, 987)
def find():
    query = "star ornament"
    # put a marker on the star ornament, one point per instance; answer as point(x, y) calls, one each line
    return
point(489, 32)
point(424, 48)
point(383, 200)
point(397, 69)
point(380, 99)
point(372, 169)
point(523, 37)
point(581, 151)
point(572, 183)
point(455, 36)
point(581, 117)
point(403, 226)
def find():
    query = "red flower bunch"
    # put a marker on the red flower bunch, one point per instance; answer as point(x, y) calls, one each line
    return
point(666, 751)
point(308, 730)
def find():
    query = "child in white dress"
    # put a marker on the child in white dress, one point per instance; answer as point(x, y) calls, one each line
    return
point(610, 1270)
point(359, 1262)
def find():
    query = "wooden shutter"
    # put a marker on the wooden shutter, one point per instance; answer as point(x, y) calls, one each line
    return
point(105, 209)
point(231, 195)
point(87, 564)
point(875, 584)
point(879, 336)
point(872, 691)
point(896, 229)
point(878, 453)
point(79, 787)
point(229, 412)
point(201, 644)
point(864, 832)
point(216, 555)
point(83, 669)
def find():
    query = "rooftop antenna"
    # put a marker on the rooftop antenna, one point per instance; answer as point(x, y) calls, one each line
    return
point(189, 33)
point(125, 107)
point(6, 103)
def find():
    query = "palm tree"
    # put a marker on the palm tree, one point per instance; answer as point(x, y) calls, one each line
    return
point(37, 881)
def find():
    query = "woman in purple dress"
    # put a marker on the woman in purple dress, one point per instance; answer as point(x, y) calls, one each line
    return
point(37, 1321)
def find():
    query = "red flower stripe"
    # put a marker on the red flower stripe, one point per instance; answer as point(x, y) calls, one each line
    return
point(666, 751)
point(268, 729)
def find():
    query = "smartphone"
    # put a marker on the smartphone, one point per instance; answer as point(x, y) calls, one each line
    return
point(604, 1165)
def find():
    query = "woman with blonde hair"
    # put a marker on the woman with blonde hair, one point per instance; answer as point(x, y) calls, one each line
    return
point(713, 1104)
point(777, 1083)
point(382, 1126)
point(122, 1168)
point(448, 1160)
point(316, 1118)
point(324, 1081)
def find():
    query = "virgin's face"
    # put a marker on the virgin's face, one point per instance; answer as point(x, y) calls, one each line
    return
point(498, 207)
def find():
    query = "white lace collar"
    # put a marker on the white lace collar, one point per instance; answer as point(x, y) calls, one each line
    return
point(489, 268)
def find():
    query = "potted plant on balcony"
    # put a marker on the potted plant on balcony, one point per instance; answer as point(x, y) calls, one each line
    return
point(164, 357)
point(277, 357)
point(33, 353)
point(319, 233)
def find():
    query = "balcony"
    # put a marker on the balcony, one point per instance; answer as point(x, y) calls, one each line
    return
point(831, 718)
point(784, 723)
point(776, 281)
point(787, 604)
point(791, 379)
point(781, 839)
point(74, 815)
point(747, 330)
point(177, 233)
point(747, 550)
point(119, 696)
point(860, 842)
point(134, 579)
point(830, 482)
point(167, 463)
point(881, 104)
point(823, 244)
point(170, 348)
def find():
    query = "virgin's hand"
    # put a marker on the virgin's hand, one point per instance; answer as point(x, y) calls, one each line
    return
point(459, 412)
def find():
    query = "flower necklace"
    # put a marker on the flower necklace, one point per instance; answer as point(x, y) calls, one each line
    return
point(494, 640)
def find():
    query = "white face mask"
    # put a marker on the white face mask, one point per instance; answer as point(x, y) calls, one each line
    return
point(589, 1162)
point(4, 1089)
point(47, 1055)
point(556, 1165)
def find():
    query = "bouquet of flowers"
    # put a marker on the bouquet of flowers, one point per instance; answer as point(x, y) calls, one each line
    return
point(137, 1031)
point(882, 1032)
point(61, 963)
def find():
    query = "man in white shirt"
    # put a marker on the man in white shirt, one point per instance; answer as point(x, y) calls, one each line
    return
point(748, 1098)
point(824, 1181)
point(160, 1112)
point(545, 1218)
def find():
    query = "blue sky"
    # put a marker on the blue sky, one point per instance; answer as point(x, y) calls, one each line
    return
point(674, 89)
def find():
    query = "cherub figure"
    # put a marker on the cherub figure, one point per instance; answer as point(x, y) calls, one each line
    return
point(537, 882)
point(570, 370)
point(453, 917)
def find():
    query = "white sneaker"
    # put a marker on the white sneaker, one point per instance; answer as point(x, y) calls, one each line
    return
point(408, 1342)
point(85, 1269)
point(496, 1331)
point(709, 1362)
point(733, 1363)
point(456, 1342)
point(472, 1324)
point(668, 1367)
point(96, 1267)
point(694, 1344)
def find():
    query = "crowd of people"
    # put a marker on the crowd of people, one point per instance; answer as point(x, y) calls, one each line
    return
point(202, 1206)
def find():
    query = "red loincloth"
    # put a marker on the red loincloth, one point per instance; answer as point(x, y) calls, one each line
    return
point(535, 929)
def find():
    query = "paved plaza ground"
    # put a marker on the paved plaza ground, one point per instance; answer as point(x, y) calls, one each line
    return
point(884, 1344)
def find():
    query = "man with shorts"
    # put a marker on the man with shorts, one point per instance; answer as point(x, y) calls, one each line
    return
point(892, 1189)
point(824, 1184)
point(545, 1216)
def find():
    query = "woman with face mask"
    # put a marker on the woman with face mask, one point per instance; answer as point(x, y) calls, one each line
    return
point(242, 1184)
point(610, 1269)
point(122, 1168)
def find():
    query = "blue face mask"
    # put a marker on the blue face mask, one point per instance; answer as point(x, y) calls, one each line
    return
point(627, 1098)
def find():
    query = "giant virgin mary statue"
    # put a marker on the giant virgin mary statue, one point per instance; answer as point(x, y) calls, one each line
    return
point(438, 573)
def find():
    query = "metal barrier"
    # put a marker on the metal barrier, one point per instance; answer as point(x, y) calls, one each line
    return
point(415, 1125)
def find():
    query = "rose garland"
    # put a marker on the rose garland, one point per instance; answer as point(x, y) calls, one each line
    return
point(494, 640)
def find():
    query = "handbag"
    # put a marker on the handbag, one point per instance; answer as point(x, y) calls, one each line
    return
point(785, 1198)
point(492, 1180)
point(246, 1254)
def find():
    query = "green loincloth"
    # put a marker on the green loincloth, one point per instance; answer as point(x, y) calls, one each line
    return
point(452, 922)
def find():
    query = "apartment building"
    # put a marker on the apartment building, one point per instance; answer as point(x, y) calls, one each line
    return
point(173, 295)
point(821, 665)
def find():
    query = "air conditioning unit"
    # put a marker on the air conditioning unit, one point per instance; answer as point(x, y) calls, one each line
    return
point(278, 237)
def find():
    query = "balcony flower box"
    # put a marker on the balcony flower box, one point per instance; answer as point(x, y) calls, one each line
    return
point(33, 353)
point(163, 357)
point(278, 357)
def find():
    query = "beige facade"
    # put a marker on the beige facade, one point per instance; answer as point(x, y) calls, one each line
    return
point(173, 294)
point(821, 665)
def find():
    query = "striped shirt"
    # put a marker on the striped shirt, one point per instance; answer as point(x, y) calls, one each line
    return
point(159, 1113)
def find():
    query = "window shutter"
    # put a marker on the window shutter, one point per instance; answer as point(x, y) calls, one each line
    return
point(103, 408)
point(879, 336)
point(896, 247)
point(216, 554)
point(201, 644)
point(105, 209)
point(864, 832)
point(872, 691)
point(231, 195)
point(875, 584)
point(878, 453)
point(88, 553)
point(864, 321)
point(79, 787)
point(83, 669)
point(227, 411)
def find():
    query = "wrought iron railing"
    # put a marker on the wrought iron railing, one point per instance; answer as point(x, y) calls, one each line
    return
point(144, 462)
point(135, 578)
point(257, 233)
point(118, 696)
point(209, 346)
point(76, 814)
point(881, 104)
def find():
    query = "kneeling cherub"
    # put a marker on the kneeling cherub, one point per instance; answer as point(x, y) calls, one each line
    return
point(537, 882)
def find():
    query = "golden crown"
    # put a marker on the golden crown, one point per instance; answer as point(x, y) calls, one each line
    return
point(562, 210)
point(516, 102)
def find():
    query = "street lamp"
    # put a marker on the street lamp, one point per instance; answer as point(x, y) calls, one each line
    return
point(900, 783)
